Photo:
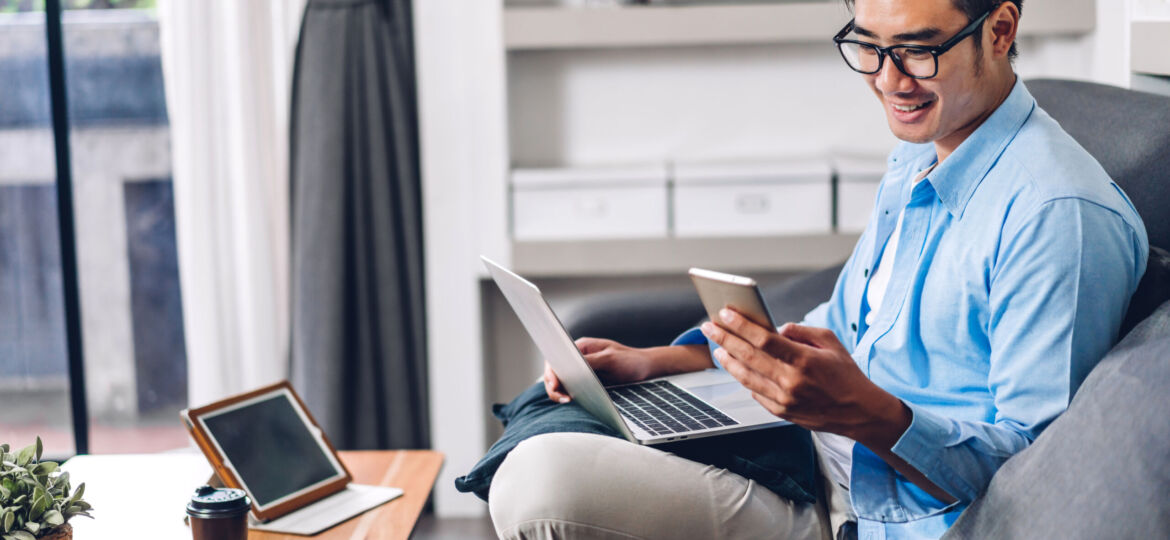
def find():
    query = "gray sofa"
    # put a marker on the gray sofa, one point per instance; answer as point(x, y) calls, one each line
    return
point(1101, 470)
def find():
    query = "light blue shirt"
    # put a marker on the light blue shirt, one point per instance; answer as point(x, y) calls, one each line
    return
point(1015, 264)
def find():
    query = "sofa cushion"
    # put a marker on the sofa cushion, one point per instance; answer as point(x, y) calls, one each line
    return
point(1100, 470)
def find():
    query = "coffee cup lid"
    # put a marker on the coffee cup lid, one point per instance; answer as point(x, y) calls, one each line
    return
point(222, 502)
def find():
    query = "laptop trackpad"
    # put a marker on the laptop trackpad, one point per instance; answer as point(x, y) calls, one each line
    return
point(728, 395)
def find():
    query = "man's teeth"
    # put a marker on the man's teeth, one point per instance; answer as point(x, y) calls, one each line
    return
point(908, 108)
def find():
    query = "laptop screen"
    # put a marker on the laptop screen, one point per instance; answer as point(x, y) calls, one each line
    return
point(268, 443)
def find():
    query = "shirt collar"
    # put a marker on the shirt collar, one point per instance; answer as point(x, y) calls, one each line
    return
point(957, 177)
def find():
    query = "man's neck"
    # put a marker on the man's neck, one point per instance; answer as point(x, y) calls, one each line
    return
point(1004, 81)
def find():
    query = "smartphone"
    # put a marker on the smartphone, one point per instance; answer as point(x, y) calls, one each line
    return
point(718, 290)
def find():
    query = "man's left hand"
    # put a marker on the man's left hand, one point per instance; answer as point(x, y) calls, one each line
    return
point(806, 376)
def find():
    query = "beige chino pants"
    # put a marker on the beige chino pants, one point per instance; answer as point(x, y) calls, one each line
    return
point(576, 485)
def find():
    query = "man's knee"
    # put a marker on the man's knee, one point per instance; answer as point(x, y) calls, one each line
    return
point(590, 486)
point(547, 477)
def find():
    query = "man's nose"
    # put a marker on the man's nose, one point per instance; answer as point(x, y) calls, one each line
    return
point(891, 80)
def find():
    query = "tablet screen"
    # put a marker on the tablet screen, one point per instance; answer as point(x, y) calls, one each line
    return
point(269, 445)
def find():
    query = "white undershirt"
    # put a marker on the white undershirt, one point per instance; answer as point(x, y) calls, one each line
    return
point(836, 450)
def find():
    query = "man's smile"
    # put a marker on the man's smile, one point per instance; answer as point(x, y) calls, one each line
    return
point(910, 111)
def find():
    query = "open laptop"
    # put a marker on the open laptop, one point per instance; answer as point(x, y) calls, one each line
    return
point(686, 406)
point(266, 443)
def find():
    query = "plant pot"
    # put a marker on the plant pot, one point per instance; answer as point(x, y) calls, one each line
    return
point(64, 532)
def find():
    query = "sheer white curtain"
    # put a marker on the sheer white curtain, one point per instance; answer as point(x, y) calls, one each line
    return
point(228, 68)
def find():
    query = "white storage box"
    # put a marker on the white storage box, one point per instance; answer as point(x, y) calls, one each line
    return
point(585, 204)
point(857, 185)
point(752, 198)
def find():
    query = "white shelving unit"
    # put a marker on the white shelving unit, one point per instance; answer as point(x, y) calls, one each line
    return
point(1150, 47)
point(537, 28)
point(676, 255)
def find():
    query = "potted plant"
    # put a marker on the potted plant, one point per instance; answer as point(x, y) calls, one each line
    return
point(34, 496)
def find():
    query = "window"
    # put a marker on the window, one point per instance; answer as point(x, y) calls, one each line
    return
point(131, 310)
point(34, 368)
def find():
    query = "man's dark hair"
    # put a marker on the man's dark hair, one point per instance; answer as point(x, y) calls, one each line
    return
point(974, 9)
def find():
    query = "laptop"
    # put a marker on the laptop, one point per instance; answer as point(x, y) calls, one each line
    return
point(266, 443)
point(686, 406)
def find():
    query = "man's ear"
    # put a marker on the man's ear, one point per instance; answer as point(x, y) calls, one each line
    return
point(1004, 21)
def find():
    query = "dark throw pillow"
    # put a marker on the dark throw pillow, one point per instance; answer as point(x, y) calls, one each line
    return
point(1152, 290)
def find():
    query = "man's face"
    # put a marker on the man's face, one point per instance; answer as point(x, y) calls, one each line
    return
point(925, 110)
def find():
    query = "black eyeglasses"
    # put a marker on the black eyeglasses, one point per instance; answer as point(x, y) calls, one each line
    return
point(915, 61)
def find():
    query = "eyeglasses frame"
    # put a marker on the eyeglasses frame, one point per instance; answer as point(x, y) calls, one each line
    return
point(934, 50)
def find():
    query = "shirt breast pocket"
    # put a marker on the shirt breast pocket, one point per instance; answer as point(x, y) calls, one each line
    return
point(955, 314)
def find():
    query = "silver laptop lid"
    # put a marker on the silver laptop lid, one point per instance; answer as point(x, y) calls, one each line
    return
point(557, 347)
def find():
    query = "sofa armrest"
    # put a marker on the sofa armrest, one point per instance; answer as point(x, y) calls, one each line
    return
point(790, 300)
point(639, 319)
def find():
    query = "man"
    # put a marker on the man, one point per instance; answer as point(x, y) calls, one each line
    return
point(993, 275)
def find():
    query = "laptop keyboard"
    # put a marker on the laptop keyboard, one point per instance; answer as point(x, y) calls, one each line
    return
point(662, 408)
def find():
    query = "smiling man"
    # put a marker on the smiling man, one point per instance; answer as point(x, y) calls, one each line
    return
point(993, 275)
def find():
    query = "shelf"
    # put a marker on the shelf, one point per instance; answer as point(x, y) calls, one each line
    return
point(670, 255)
point(1150, 41)
point(537, 28)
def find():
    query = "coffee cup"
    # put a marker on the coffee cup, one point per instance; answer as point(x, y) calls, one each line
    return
point(218, 514)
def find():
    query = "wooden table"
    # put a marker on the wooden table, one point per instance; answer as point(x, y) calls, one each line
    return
point(141, 496)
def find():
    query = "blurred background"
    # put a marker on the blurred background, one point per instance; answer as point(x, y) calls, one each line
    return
point(301, 189)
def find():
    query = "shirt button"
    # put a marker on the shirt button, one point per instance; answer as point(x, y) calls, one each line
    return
point(867, 272)
point(853, 326)
point(887, 212)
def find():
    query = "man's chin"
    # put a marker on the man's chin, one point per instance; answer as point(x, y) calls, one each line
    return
point(909, 135)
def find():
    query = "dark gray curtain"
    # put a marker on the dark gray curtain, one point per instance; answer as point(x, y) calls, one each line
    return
point(358, 335)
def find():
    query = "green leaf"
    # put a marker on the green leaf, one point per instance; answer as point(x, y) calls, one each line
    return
point(4, 448)
point(40, 448)
point(44, 468)
point(62, 481)
point(5, 493)
point(9, 517)
point(53, 517)
point(23, 535)
point(77, 494)
point(40, 503)
point(25, 455)
point(32, 527)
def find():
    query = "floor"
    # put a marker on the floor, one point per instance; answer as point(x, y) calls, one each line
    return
point(430, 527)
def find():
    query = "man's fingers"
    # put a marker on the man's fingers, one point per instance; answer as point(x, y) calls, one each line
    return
point(739, 325)
point(760, 338)
point(765, 364)
point(747, 376)
point(553, 387)
point(770, 404)
point(589, 345)
point(821, 338)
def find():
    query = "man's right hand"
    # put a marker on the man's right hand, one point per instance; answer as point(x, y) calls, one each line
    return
point(615, 363)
